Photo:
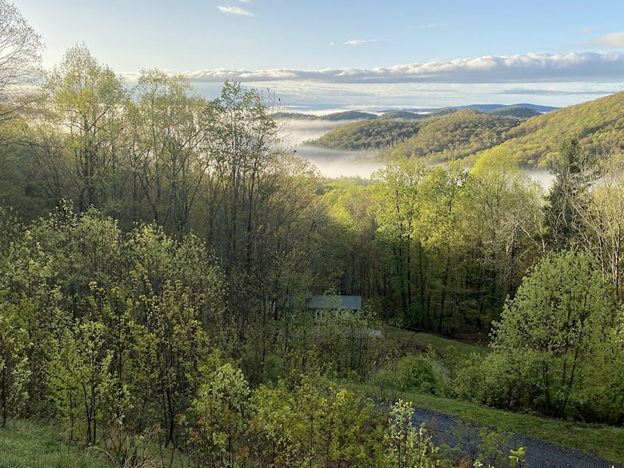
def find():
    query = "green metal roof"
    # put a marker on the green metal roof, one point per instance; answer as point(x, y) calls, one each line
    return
point(335, 302)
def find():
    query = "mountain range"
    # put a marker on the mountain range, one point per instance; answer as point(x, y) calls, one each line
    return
point(454, 133)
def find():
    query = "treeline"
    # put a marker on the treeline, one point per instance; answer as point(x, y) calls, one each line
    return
point(437, 248)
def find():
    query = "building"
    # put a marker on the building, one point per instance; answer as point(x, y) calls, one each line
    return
point(337, 305)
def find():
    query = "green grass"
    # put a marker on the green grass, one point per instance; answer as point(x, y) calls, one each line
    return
point(602, 441)
point(411, 342)
point(27, 444)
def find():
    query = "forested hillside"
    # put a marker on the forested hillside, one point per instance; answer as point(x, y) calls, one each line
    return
point(445, 135)
point(451, 134)
point(367, 134)
point(158, 253)
point(455, 136)
point(598, 124)
point(515, 111)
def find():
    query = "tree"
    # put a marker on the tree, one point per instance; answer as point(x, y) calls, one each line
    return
point(443, 233)
point(87, 101)
point(398, 194)
point(503, 208)
point(574, 170)
point(20, 54)
point(14, 369)
point(168, 129)
point(222, 410)
point(554, 330)
point(406, 446)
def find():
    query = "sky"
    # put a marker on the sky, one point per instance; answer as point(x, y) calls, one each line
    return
point(347, 54)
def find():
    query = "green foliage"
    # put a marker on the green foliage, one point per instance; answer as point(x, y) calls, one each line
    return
point(15, 345)
point(552, 337)
point(413, 373)
point(221, 416)
point(407, 446)
point(493, 449)
point(455, 136)
point(575, 170)
point(367, 134)
point(79, 376)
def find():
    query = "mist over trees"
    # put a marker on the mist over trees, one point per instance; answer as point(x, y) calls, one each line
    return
point(158, 249)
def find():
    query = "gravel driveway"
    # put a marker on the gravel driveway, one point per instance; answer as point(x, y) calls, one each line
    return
point(539, 454)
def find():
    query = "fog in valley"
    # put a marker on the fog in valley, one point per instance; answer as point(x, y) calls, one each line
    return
point(338, 163)
point(542, 176)
point(331, 163)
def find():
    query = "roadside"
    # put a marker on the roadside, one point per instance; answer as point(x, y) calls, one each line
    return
point(539, 454)
point(589, 445)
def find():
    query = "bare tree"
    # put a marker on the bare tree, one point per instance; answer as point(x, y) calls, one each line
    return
point(20, 56)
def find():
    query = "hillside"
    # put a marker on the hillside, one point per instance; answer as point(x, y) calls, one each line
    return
point(402, 115)
point(446, 134)
point(449, 133)
point(367, 134)
point(456, 136)
point(598, 124)
point(336, 116)
point(518, 112)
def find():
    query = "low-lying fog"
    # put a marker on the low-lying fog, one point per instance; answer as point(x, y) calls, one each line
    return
point(331, 163)
point(338, 163)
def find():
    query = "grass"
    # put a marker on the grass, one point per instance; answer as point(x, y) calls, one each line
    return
point(606, 442)
point(411, 342)
point(27, 444)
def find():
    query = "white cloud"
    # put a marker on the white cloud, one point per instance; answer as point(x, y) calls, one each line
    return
point(355, 42)
point(233, 10)
point(244, 1)
point(525, 68)
point(557, 92)
point(611, 40)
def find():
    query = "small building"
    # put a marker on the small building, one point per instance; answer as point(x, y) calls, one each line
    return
point(337, 305)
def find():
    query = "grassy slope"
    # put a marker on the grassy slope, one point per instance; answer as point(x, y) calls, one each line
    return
point(31, 445)
point(602, 441)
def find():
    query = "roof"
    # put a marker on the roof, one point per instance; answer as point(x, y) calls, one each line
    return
point(335, 302)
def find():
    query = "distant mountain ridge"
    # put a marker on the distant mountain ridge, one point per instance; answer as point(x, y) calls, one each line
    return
point(406, 114)
point(457, 134)
point(444, 134)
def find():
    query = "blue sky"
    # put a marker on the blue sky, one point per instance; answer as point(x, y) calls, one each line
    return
point(355, 54)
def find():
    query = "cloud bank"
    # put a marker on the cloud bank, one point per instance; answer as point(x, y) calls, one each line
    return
point(557, 92)
point(526, 68)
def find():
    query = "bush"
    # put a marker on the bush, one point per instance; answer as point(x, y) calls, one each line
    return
point(554, 350)
point(416, 373)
